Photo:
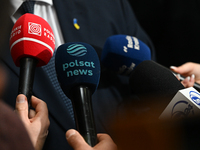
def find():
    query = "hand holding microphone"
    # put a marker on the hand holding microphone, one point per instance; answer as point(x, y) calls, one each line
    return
point(32, 45)
point(78, 72)
point(77, 142)
point(35, 121)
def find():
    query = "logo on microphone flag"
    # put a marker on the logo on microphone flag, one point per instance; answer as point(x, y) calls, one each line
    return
point(195, 96)
point(77, 50)
point(34, 28)
point(32, 36)
point(186, 103)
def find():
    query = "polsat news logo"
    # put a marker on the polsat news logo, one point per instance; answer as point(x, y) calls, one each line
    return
point(78, 67)
point(183, 109)
point(77, 50)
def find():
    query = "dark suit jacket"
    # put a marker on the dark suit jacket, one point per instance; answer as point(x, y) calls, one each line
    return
point(97, 20)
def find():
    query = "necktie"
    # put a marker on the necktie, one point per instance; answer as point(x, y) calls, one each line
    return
point(27, 7)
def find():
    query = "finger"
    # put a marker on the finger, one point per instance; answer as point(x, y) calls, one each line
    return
point(32, 113)
point(184, 84)
point(105, 142)
point(39, 106)
point(40, 113)
point(76, 141)
point(191, 81)
point(21, 107)
point(177, 76)
point(184, 69)
point(188, 82)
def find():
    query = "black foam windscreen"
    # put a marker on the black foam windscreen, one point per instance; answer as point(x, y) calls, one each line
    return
point(121, 53)
point(77, 64)
point(152, 79)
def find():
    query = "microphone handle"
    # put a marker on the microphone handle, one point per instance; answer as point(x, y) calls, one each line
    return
point(26, 77)
point(83, 113)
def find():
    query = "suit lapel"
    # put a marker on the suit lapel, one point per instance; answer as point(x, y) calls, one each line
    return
point(62, 10)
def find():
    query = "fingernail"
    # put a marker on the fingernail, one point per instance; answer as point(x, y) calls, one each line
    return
point(188, 78)
point(70, 133)
point(193, 76)
point(173, 67)
point(178, 76)
point(21, 99)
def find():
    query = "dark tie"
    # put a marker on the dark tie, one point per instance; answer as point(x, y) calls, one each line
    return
point(27, 6)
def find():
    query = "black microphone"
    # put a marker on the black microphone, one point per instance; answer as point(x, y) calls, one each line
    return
point(151, 78)
point(154, 84)
point(78, 72)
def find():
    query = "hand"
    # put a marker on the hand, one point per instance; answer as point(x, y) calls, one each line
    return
point(36, 121)
point(77, 142)
point(189, 70)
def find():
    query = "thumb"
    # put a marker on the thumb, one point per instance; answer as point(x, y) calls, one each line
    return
point(176, 69)
point(76, 141)
point(21, 107)
point(183, 69)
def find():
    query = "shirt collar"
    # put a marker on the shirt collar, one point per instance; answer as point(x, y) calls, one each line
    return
point(50, 2)
point(17, 3)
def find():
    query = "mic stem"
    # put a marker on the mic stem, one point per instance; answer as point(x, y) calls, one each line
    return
point(84, 118)
point(26, 78)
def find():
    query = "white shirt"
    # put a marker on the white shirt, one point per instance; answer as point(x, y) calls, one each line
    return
point(44, 9)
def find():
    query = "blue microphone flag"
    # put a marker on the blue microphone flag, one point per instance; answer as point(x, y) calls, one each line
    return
point(121, 53)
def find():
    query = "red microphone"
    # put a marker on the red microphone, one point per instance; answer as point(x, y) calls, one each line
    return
point(32, 44)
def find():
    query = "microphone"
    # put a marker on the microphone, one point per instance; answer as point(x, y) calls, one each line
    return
point(78, 72)
point(151, 78)
point(32, 45)
point(121, 53)
point(185, 104)
point(152, 81)
point(154, 84)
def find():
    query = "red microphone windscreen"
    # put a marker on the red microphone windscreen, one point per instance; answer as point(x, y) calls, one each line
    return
point(32, 36)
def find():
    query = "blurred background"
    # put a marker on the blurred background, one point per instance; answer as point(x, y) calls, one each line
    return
point(174, 28)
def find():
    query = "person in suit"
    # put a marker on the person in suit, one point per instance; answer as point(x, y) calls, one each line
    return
point(97, 20)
